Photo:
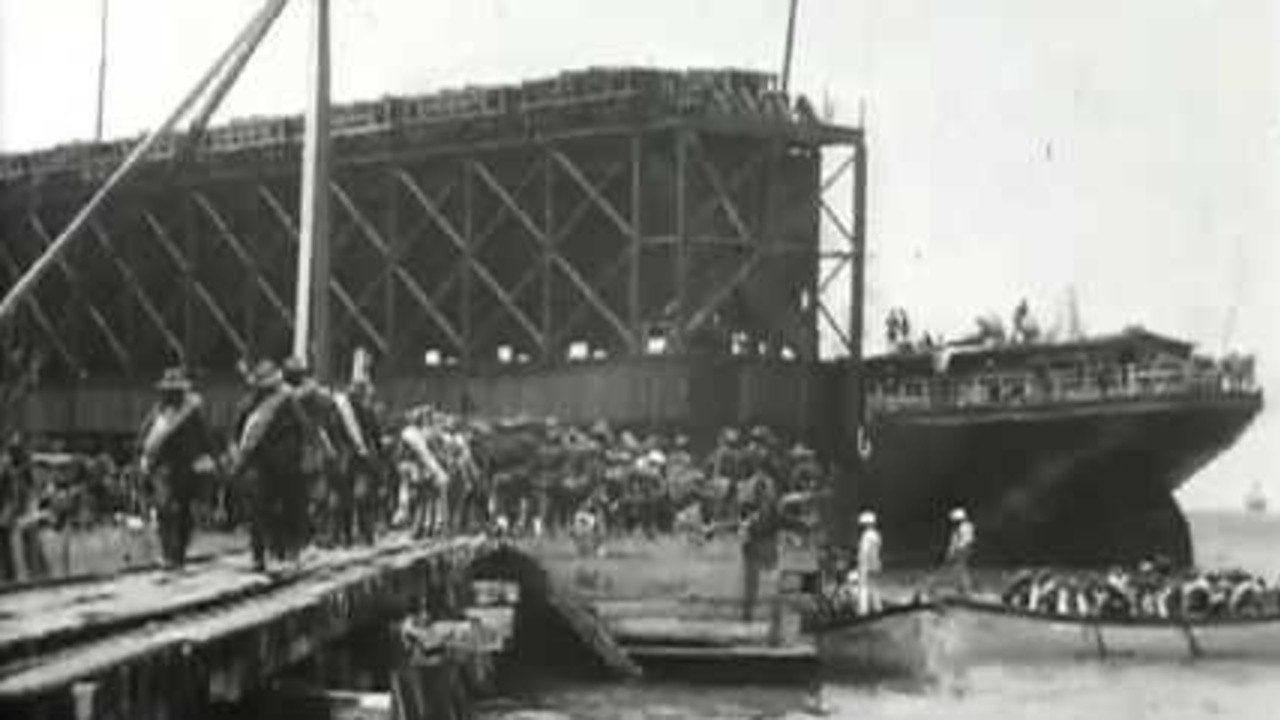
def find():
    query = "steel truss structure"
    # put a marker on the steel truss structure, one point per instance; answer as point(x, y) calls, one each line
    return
point(694, 233)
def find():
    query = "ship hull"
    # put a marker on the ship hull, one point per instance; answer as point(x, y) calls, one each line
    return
point(1085, 484)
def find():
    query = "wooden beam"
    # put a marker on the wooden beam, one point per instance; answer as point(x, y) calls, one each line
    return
point(571, 223)
point(721, 192)
point(202, 292)
point(130, 279)
point(480, 270)
point(681, 255)
point(723, 291)
point(580, 311)
point(565, 266)
point(372, 236)
point(734, 183)
point(635, 313)
point(335, 287)
point(624, 226)
point(841, 335)
point(42, 319)
point(238, 249)
point(73, 280)
point(462, 268)
point(833, 273)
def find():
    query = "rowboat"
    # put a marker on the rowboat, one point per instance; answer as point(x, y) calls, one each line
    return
point(931, 638)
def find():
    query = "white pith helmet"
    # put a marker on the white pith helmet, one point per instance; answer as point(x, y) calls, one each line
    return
point(958, 514)
point(867, 518)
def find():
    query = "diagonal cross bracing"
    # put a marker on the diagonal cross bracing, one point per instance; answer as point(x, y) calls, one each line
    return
point(588, 292)
point(149, 308)
point(42, 319)
point(335, 287)
point(450, 232)
point(202, 292)
point(73, 278)
point(571, 222)
point(238, 249)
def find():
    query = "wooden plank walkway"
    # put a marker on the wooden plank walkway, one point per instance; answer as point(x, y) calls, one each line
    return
point(182, 658)
point(37, 618)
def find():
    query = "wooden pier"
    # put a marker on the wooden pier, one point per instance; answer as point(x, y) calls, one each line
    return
point(172, 644)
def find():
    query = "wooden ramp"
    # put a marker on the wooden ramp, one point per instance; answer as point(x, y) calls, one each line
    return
point(591, 630)
point(145, 651)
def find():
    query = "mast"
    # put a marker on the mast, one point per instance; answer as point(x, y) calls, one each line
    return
point(311, 303)
point(102, 70)
point(790, 44)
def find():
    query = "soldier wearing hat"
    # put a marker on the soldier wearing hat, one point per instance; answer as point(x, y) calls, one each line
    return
point(176, 448)
point(326, 449)
point(266, 452)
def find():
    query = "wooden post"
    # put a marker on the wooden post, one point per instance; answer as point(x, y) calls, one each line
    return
point(634, 313)
point(311, 303)
point(682, 241)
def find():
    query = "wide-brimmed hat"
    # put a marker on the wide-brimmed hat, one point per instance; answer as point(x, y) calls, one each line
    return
point(294, 368)
point(265, 375)
point(867, 518)
point(174, 379)
point(958, 514)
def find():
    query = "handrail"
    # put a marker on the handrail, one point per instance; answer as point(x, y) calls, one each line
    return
point(1012, 388)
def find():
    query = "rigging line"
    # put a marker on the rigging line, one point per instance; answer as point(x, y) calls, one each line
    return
point(55, 249)
point(259, 28)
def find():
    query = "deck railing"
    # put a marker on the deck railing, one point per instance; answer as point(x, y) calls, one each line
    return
point(1077, 385)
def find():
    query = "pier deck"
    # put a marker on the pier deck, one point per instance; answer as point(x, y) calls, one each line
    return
point(158, 645)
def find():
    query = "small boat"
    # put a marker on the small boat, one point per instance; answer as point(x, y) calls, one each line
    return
point(929, 639)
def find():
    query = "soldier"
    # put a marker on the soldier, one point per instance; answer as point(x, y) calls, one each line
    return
point(356, 409)
point(760, 529)
point(266, 454)
point(326, 448)
point(176, 447)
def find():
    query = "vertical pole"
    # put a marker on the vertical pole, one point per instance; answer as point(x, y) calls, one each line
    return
point(102, 70)
point(633, 281)
point(389, 266)
point(468, 225)
point(857, 272)
point(548, 219)
point(311, 304)
point(790, 44)
point(682, 240)
point(858, 258)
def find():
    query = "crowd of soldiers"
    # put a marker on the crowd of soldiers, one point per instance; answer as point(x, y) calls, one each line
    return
point(305, 463)
point(1152, 590)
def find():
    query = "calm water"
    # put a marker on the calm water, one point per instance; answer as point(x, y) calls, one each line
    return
point(1091, 690)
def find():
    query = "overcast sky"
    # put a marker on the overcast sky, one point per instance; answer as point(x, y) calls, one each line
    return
point(1131, 150)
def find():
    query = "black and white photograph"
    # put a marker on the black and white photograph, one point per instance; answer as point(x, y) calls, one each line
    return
point(615, 360)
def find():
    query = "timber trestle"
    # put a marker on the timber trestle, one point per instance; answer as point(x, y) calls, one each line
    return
point(173, 645)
